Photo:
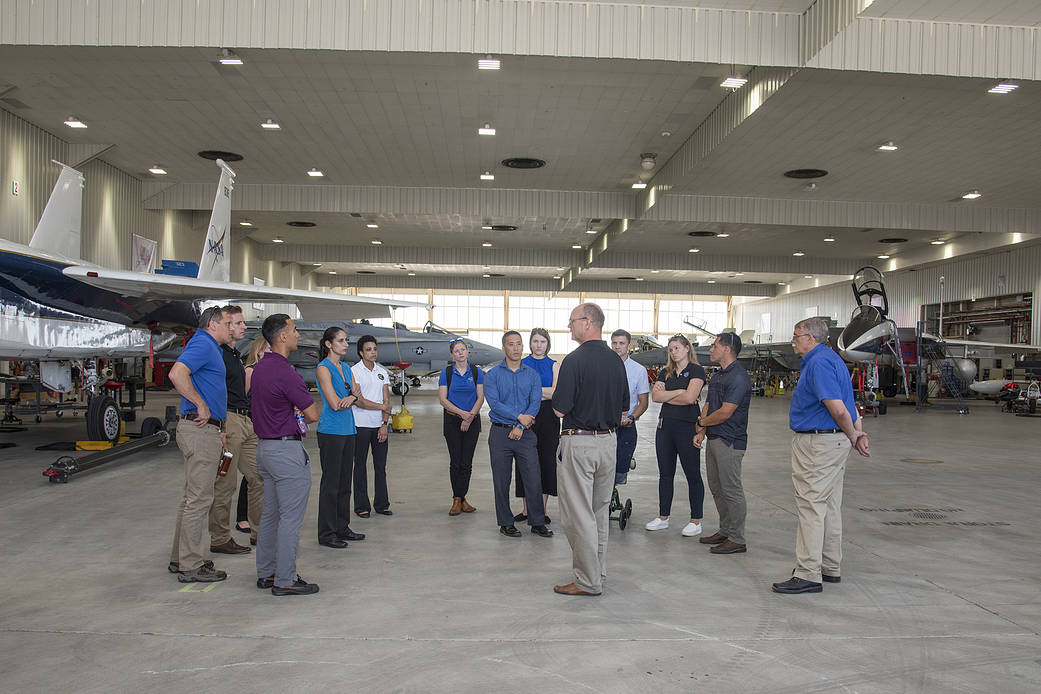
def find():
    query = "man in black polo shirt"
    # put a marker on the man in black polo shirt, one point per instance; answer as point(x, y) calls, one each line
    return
point(725, 421)
point(591, 394)
point(241, 443)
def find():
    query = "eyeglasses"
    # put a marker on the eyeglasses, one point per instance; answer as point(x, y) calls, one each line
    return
point(572, 320)
point(796, 336)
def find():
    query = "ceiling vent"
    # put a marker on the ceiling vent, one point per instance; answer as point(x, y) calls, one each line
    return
point(301, 225)
point(215, 154)
point(523, 163)
point(701, 234)
point(806, 173)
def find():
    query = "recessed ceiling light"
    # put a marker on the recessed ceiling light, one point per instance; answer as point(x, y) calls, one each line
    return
point(829, 239)
point(888, 146)
point(1003, 88)
point(693, 250)
point(655, 272)
point(487, 244)
point(486, 267)
point(270, 125)
point(372, 225)
point(74, 122)
point(315, 173)
point(733, 82)
point(228, 57)
point(576, 246)
point(798, 254)
point(722, 235)
point(809, 187)
point(937, 242)
point(317, 264)
point(972, 195)
point(883, 257)
point(781, 284)
point(561, 269)
point(590, 231)
point(245, 223)
point(411, 274)
point(639, 186)
point(487, 176)
point(717, 272)
point(489, 63)
point(486, 275)
point(277, 240)
point(807, 277)
point(739, 274)
point(639, 279)
point(157, 170)
point(332, 272)
point(376, 242)
point(711, 281)
point(486, 129)
point(487, 227)
point(556, 277)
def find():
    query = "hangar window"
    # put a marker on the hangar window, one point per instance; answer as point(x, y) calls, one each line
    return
point(414, 318)
point(671, 313)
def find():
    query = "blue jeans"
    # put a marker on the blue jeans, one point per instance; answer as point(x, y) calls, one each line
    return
point(626, 437)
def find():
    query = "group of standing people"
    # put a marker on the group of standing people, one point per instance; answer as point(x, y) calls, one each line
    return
point(258, 413)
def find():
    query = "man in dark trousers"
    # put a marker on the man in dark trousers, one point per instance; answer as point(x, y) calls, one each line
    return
point(592, 393)
point(276, 393)
point(241, 443)
point(725, 422)
point(198, 375)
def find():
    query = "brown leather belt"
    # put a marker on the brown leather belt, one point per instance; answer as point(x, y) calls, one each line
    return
point(586, 432)
point(219, 423)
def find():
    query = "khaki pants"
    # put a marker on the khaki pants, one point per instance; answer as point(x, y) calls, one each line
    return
point(585, 479)
point(242, 443)
point(201, 447)
point(818, 466)
point(723, 470)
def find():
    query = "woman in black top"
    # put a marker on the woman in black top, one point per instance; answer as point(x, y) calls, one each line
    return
point(678, 388)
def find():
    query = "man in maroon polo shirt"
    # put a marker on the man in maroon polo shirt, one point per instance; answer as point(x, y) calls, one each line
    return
point(276, 392)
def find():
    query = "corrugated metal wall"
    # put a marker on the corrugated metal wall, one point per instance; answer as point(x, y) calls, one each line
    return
point(1006, 272)
point(25, 158)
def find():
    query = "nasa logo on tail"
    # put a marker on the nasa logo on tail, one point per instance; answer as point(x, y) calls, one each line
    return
point(216, 248)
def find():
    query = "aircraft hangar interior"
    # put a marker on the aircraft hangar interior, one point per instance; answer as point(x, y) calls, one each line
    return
point(745, 176)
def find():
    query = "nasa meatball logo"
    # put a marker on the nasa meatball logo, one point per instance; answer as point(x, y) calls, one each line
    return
point(420, 350)
point(379, 376)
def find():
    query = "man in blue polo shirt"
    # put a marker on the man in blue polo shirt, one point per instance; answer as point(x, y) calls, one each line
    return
point(199, 376)
point(514, 393)
point(824, 418)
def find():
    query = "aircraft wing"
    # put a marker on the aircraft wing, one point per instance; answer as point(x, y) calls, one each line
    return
point(996, 346)
point(313, 306)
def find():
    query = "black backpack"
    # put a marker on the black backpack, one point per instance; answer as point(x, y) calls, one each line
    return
point(450, 369)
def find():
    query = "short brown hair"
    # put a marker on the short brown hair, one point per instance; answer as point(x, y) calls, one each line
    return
point(231, 309)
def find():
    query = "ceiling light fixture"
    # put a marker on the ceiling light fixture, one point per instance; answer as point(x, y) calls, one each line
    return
point(807, 277)
point(888, 146)
point(781, 284)
point(1003, 88)
point(972, 195)
point(739, 274)
point(411, 274)
point(486, 129)
point(556, 277)
point(315, 173)
point(722, 235)
point(798, 254)
point(332, 272)
point(74, 122)
point(639, 279)
point(245, 223)
point(270, 125)
point(486, 275)
point(883, 257)
point(829, 239)
point(376, 242)
point(647, 160)
point(372, 225)
point(655, 272)
point(809, 187)
point(487, 227)
point(590, 231)
point(487, 176)
point(733, 82)
point(693, 250)
point(639, 186)
point(488, 63)
point(277, 240)
point(711, 281)
point(157, 170)
point(316, 264)
point(487, 244)
point(577, 246)
point(228, 57)
point(937, 242)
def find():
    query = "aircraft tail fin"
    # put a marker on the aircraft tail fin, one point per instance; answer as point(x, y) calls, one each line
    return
point(216, 250)
point(747, 336)
point(62, 218)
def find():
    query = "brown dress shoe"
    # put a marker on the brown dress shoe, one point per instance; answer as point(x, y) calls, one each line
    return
point(716, 539)
point(728, 547)
point(572, 589)
point(457, 506)
point(467, 508)
point(230, 547)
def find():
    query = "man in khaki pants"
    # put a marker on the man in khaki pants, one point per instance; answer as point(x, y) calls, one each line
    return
point(198, 375)
point(591, 394)
point(826, 425)
point(241, 443)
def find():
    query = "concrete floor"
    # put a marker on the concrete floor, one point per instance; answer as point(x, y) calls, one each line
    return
point(432, 603)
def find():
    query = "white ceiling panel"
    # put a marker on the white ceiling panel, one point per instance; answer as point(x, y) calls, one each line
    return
point(1005, 12)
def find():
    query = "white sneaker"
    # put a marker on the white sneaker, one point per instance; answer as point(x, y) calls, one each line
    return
point(692, 530)
point(658, 524)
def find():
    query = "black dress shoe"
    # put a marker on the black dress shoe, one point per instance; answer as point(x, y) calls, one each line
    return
point(241, 529)
point(361, 513)
point(299, 587)
point(352, 536)
point(509, 530)
point(797, 585)
point(541, 531)
point(385, 512)
point(335, 544)
point(520, 518)
point(269, 582)
point(831, 579)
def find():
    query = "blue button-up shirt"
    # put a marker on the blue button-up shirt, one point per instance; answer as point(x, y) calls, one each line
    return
point(824, 376)
point(202, 355)
point(511, 393)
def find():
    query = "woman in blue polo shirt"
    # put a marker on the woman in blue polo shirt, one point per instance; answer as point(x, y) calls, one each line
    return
point(547, 424)
point(336, 434)
point(461, 391)
point(678, 388)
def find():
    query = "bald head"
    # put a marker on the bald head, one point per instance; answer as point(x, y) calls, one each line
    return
point(586, 322)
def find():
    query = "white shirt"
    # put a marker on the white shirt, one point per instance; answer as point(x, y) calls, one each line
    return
point(638, 383)
point(371, 384)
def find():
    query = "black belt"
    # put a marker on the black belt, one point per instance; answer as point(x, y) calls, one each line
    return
point(219, 423)
point(505, 426)
point(244, 411)
point(291, 437)
point(586, 432)
point(820, 431)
